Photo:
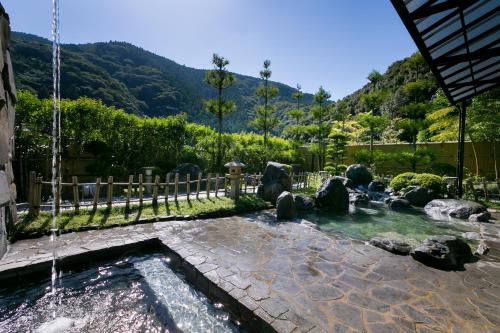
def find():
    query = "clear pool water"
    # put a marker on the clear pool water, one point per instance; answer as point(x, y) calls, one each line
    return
point(137, 294)
point(363, 223)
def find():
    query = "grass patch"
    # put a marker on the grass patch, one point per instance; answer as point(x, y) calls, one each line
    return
point(116, 216)
point(313, 183)
point(490, 204)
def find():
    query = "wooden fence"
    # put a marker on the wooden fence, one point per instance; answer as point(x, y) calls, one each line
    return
point(172, 188)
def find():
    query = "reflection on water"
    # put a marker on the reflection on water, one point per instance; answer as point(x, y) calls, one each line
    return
point(138, 294)
point(363, 223)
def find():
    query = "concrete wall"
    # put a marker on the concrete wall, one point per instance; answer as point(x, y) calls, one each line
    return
point(444, 152)
point(7, 113)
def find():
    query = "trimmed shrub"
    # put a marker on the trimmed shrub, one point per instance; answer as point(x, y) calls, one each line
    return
point(429, 180)
point(402, 180)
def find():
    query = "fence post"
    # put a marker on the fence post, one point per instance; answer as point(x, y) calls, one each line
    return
point(198, 186)
point(216, 185)
point(155, 190)
point(31, 192)
point(167, 189)
point(188, 185)
point(141, 190)
point(129, 191)
point(176, 186)
point(97, 192)
point(109, 199)
point(208, 184)
point(76, 199)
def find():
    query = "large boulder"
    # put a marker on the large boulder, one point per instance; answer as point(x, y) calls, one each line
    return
point(332, 195)
point(376, 186)
point(481, 217)
point(285, 206)
point(303, 203)
point(460, 209)
point(358, 197)
point(443, 252)
point(418, 196)
point(276, 179)
point(391, 245)
point(359, 174)
point(186, 169)
point(396, 203)
point(346, 181)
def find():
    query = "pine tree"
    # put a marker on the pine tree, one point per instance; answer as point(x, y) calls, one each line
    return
point(264, 115)
point(319, 113)
point(219, 78)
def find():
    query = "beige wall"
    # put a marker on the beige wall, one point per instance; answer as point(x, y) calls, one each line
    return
point(445, 152)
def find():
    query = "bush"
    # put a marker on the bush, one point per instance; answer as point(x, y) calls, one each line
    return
point(341, 168)
point(402, 180)
point(330, 169)
point(443, 169)
point(428, 180)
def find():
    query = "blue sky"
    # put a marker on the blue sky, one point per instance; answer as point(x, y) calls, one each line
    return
point(333, 43)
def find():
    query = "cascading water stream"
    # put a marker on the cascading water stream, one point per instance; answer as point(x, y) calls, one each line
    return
point(56, 125)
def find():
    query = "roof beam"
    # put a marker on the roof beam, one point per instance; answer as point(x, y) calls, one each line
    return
point(479, 54)
point(472, 83)
point(428, 10)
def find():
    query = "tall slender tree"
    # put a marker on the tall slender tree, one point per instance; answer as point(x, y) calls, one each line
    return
point(295, 129)
point(319, 113)
point(219, 78)
point(264, 115)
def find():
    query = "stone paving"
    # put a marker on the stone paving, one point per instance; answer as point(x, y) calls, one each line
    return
point(298, 279)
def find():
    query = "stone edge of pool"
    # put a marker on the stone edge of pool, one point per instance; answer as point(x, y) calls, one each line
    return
point(202, 279)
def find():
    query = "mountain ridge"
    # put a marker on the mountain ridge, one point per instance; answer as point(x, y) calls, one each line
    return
point(136, 80)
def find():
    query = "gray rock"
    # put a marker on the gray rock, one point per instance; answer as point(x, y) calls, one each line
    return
point(481, 217)
point(443, 252)
point(460, 209)
point(376, 186)
point(391, 245)
point(285, 206)
point(359, 174)
point(482, 249)
point(397, 203)
point(346, 181)
point(418, 196)
point(377, 196)
point(356, 197)
point(303, 203)
point(332, 195)
point(471, 235)
point(276, 179)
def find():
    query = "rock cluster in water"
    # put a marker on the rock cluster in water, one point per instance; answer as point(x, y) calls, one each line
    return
point(461, 209)
point(443, 252)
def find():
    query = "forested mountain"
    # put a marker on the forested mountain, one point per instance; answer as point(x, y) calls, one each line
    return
point(138, 81)
point(392, 84)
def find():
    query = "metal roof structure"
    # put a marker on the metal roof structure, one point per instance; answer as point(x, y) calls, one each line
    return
point(459, 39)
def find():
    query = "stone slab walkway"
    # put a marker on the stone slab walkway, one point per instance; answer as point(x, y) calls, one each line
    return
point(298, 279)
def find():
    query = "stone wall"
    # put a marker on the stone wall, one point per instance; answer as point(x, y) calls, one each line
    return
point(7, 113)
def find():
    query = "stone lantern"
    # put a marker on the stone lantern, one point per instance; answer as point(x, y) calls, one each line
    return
point(234, 176)
point(148, 171)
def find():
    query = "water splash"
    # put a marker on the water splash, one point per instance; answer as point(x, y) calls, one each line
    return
point(56, 125)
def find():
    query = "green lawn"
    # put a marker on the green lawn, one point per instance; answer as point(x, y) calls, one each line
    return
point(104, 218)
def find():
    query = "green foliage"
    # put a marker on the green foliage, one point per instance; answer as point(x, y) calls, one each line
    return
point(428, 180)
point(402, 180)
point(122, 143)
point(411, 159)
point(319, 113)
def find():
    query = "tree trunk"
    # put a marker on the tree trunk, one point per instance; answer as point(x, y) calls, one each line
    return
point(414, 162)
